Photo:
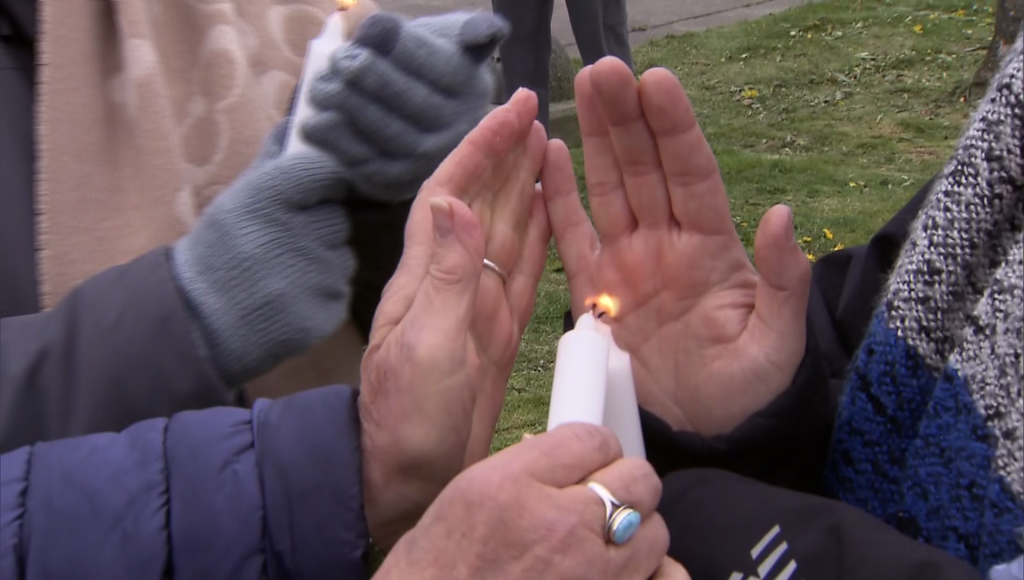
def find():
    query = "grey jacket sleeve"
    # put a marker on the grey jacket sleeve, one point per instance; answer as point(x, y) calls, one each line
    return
point(119, 349)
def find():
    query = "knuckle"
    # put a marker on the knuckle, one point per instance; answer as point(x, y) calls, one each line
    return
point(644, 484)
point(599, 440)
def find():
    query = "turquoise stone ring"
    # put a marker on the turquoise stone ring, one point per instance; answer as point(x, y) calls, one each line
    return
point(621, 520)
point(625, 523)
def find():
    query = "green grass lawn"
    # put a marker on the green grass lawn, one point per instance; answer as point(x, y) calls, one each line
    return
point(841, 109)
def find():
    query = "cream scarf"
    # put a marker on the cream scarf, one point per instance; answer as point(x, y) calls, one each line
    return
point(146, 109)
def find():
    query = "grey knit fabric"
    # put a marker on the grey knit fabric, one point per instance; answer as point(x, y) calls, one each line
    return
point(956, 293)
point(399, 99)
point(930, 432)
point(266, 270)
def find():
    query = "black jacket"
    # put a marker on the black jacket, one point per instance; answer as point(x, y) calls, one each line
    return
point(745, 505)
point(17, 158)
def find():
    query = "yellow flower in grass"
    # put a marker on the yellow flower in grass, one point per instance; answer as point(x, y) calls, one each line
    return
point(919, 28)
point(838, 247)
point(828, 233)
point(806, 240)
point(811, 257)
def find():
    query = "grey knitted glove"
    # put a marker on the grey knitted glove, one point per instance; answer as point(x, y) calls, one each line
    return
point(402, 95)
point(266, 270)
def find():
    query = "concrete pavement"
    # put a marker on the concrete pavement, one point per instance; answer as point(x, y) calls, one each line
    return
point(648, 19)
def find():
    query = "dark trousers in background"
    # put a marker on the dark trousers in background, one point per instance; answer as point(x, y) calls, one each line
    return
point(600, 28)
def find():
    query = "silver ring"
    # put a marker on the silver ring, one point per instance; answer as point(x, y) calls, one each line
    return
point(621, 520)
point(489, 265)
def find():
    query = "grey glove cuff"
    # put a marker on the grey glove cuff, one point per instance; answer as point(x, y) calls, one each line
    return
point(267, 270)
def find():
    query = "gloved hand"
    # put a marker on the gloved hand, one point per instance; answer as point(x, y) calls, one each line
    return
point(399, 98)
point(266, 270)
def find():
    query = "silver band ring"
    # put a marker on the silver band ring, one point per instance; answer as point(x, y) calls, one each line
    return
point(489, 265)
point(621, 520)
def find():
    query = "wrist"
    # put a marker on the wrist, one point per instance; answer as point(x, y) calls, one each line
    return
point(394, 500)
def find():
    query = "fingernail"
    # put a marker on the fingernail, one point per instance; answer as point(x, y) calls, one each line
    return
point(527, 436)
point(444, 223)
point(520, 93)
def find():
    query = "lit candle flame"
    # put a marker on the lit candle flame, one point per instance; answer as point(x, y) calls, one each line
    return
point(604, 303)
point(347, 4)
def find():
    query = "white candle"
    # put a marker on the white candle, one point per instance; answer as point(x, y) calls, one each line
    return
point(621, 411)
point(335, 33)
point(581, 374)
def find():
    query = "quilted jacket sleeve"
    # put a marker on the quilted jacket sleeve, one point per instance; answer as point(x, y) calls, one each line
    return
point(272, 492)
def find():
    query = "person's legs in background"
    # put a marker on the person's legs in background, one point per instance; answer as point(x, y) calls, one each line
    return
point(601, 29)
point(526, 54)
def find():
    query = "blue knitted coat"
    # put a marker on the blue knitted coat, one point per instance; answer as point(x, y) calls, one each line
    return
point(930, 432)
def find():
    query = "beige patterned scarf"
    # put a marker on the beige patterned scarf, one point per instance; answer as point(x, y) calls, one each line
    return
point(146, 109)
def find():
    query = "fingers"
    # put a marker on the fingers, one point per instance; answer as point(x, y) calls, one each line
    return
point(322, 130)
point(641, 557)
point(606, 190)
point(632, 481)
point(508, 196)
point(565, 455)
point(464, 175)
point(523, 281)
point(366, 120)
point(575, 237)
point(444, 304)
point(780, 302)
point(671, 570)
point(426, 48)
point(616, 90)
point(362, 71)
point(696, 191)
point(486, 146)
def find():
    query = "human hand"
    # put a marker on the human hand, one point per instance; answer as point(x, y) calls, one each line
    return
point(523, 514)
point(401, 96)
point(712, 339)
point(446, 332)
point(266, 270)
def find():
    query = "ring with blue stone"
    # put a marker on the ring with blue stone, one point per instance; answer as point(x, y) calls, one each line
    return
point(621, 520)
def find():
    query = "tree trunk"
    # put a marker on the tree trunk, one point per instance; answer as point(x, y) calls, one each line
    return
point(1009, 17)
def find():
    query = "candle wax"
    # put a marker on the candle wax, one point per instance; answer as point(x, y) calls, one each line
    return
point(318, 59)
point(581, 373)
point(621, 411)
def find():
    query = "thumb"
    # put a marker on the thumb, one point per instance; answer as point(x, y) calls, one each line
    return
point(448, 295)
point(785, 275)
point(481, 34)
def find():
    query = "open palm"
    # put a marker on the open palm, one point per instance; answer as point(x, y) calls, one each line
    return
point(712, 339)
point(446, 333)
